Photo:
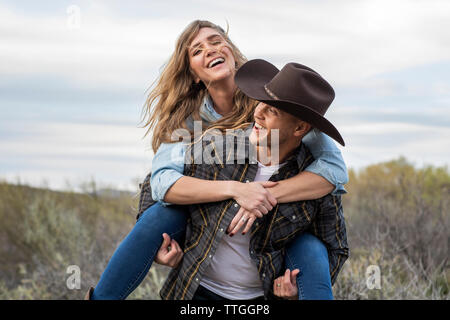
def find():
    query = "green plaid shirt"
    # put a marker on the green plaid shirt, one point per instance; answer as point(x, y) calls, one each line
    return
point(269, 235)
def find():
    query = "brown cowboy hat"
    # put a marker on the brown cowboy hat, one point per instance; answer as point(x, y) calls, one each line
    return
point(296, 89)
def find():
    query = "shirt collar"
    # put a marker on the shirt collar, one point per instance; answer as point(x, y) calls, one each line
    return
point(207, 111)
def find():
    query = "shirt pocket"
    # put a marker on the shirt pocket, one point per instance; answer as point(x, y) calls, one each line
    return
point(290, 220)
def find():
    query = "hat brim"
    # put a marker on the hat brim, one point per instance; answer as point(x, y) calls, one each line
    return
point(308, 115)
point(252, 77)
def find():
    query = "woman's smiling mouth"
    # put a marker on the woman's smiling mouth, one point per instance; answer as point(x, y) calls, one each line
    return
point(216, 62)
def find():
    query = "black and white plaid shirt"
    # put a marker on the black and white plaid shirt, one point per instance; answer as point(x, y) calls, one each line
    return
point(269, 235)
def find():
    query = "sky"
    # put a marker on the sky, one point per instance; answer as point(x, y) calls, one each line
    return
point(74, 77)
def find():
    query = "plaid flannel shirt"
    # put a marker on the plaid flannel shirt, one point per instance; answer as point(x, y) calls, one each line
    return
point(269, 235)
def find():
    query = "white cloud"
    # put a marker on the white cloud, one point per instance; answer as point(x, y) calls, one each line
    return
point(354, 44)
point(60, 152)
point(80, 140)
point(346, 40)
point(368, 143)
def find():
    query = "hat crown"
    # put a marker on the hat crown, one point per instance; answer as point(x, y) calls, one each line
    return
point(302, 85)
point(295, 89)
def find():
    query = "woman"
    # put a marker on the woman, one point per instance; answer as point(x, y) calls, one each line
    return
point(198, 84)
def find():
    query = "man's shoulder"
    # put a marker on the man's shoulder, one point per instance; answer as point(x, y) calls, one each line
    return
point(300, 158)
point(304, 157)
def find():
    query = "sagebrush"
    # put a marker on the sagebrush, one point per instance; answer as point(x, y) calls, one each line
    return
point(397, 220)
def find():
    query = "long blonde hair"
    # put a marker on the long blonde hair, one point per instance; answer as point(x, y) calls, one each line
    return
point(175, 96)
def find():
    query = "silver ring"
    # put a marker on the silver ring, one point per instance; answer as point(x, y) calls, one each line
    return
point(278, 285)
point(244, 219)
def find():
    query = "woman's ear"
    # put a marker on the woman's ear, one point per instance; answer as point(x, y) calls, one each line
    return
point(196, 78)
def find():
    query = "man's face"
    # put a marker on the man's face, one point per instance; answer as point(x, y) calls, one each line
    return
point(268, 119)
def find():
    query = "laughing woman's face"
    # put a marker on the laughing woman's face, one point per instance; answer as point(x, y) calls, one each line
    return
point(210, 57)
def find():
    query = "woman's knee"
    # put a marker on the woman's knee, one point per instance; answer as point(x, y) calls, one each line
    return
point(158, 219)
point(310, 255)
point(308, 246)
point(159, 214)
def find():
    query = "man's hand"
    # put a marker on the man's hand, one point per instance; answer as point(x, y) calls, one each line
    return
point(170, 253)
point(286, 286)
point(254, 197)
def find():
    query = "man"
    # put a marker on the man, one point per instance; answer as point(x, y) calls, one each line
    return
point(292, 101)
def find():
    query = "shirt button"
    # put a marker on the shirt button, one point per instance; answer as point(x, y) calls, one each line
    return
point(264, 275)
point(293, 217)
point(247, 181)
point(252, 252)
point(196, 279)
point(221, 229)
point(210, 256)
point(236, 205)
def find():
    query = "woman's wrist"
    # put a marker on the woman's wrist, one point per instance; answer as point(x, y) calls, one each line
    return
point(276, 191)
point(232, 189)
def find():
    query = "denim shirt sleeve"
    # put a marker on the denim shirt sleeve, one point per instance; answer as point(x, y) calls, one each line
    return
point(328, 160)
point(167, 168)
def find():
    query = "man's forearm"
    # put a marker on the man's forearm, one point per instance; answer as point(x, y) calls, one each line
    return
point(189, 190)
point(304, 186)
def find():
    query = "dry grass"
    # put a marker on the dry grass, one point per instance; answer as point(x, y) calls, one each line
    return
point(397, 218)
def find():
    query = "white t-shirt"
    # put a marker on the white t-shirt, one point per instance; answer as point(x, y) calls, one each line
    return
point(231, 273)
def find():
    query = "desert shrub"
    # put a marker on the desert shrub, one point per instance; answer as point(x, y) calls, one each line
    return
point(403, 214)
point(44, 232)
point(397, 219)
point(399, 279)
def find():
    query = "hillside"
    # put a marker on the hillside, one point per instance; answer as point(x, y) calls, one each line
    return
point(397, 219)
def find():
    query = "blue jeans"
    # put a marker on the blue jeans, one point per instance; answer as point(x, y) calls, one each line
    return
point(134, 256)
point(308, 254)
